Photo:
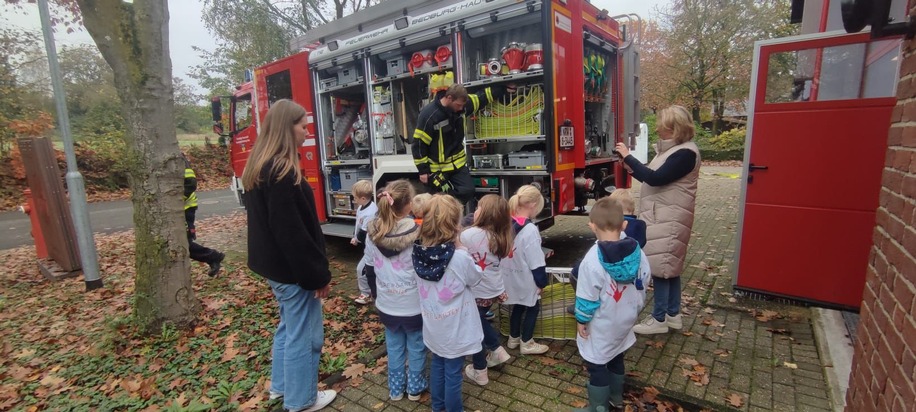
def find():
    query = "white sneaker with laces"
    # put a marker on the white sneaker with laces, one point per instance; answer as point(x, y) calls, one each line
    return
point(533, 348)
point(497, 357)
point(650, 326)
point(323, 399)
point(415, 398)
point(396, 398)
point(674, 322)
point(513, 342)
point(477, 376)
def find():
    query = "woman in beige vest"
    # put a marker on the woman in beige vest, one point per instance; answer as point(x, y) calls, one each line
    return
point(666, 203)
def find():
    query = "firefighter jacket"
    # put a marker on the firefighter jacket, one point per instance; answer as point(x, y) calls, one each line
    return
point(438, 141)
point(190, 186)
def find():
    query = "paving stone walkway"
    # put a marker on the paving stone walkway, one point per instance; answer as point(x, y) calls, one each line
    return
point(732, 350)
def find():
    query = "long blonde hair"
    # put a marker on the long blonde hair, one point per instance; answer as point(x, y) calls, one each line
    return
point(393, 201)
point(276, 142)
point(679, 121)
point(440, 224)
point(495, 220)
point(526, 195)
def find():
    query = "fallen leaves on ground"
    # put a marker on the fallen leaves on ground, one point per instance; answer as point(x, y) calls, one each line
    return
point(62, 348)
point(654, 344)
point(697, 372)
point(735, 400)
point(765, 315)
point(355, 370)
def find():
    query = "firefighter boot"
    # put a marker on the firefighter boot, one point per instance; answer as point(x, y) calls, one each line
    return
point(216, 264)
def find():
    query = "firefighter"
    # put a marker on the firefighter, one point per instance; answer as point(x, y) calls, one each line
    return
point(438, 141)
point(198, 252)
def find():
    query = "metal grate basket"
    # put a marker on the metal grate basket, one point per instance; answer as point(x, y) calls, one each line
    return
point(554, 322)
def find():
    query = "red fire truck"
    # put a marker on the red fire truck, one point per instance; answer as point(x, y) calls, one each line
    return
point(365, 77)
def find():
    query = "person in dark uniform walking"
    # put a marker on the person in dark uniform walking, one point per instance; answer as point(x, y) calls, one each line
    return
point(438, 141)
point(198, 252)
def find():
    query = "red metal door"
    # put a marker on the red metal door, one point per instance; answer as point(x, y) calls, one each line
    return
point(289, 78)
point(819, 118)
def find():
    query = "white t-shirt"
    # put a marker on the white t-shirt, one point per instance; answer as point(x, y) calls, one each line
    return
point(396, 281)
point(451, 323)
point(363, 215)
point(477, 242)
point(611, 328)
point(516, 268)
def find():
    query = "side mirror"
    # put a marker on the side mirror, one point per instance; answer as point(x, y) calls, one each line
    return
point(859, 13)
point(216, 109)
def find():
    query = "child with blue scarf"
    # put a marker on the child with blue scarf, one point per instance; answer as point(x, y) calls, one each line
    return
point(609, 295)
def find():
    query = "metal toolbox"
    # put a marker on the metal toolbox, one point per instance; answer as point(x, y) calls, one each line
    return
point(526, 159)
point(349, 176)
point(348, 75)
point(396, 66)
point(327, 83)
point(491, 161)
point(342, 204)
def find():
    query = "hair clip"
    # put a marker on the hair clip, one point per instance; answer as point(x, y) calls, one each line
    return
point(387, 195)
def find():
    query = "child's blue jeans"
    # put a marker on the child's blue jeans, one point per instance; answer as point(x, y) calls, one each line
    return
point(445, 384)
point(667, 297)
point(600, 375)
point(525, 327)
point(405, 346)
point(490, 340)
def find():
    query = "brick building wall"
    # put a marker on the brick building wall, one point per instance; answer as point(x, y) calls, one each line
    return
point(884, 362)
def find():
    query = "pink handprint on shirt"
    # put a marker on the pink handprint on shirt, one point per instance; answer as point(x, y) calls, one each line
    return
point(446, 293)
point(424, 292)
point(378, 262)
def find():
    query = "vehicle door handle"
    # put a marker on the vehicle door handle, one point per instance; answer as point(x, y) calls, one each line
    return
point(753, 167)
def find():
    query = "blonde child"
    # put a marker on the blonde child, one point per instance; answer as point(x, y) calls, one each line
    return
point(362, 195)
point(388, 249)
point(418, 206)
point(451, 325)
point(609, 296)
point(636, 228)
point(488, 241)
point(524, 271)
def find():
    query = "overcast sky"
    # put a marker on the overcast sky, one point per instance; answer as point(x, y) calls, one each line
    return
point(186, 29)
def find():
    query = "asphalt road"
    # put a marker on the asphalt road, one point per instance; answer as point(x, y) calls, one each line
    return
point(108, 217)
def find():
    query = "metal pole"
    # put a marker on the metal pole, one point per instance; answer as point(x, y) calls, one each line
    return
point(78, 209)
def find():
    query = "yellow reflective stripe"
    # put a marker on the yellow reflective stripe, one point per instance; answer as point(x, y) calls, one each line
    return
point(191, 201)
point(188, 173)
point(441, 148)
point(421, 160)
point(457, 156)
point(475, 101)
point(422, 136)
point(458, 161)
point(489, 95)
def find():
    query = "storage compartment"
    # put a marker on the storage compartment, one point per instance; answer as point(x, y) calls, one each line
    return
point(349, 176)
point(491, 161)
point(325, 84)
point(525, 160)
point(342, 204)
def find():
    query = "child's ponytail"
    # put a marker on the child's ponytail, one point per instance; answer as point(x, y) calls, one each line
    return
point(393, 202)
point(527, 195)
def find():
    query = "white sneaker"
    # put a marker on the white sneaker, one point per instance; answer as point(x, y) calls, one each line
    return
point(674, 322)
point(275, 395)
point(650, 326)
point(363, 299)
point(396, 398)
point(513, 342)
point(497, 357)
point(478, 376)
point(415, 398)
point(533, 348)
point(323, 399)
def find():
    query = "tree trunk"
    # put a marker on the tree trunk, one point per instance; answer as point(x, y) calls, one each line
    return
point(133, 39)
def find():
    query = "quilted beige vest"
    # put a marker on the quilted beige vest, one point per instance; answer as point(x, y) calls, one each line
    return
point(668, 213)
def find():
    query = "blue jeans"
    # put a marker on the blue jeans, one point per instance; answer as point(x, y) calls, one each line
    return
point(667, 297)
point(399, 344)
point(490, 339)
point(445, 384)
point(524, 327)
point(297, 346)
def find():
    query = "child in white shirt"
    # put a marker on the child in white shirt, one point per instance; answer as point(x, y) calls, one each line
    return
point(488, 240)
point(524, 271)
point(362, 195)
point(451, 323)
point(609, 295)
point(388, 249)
